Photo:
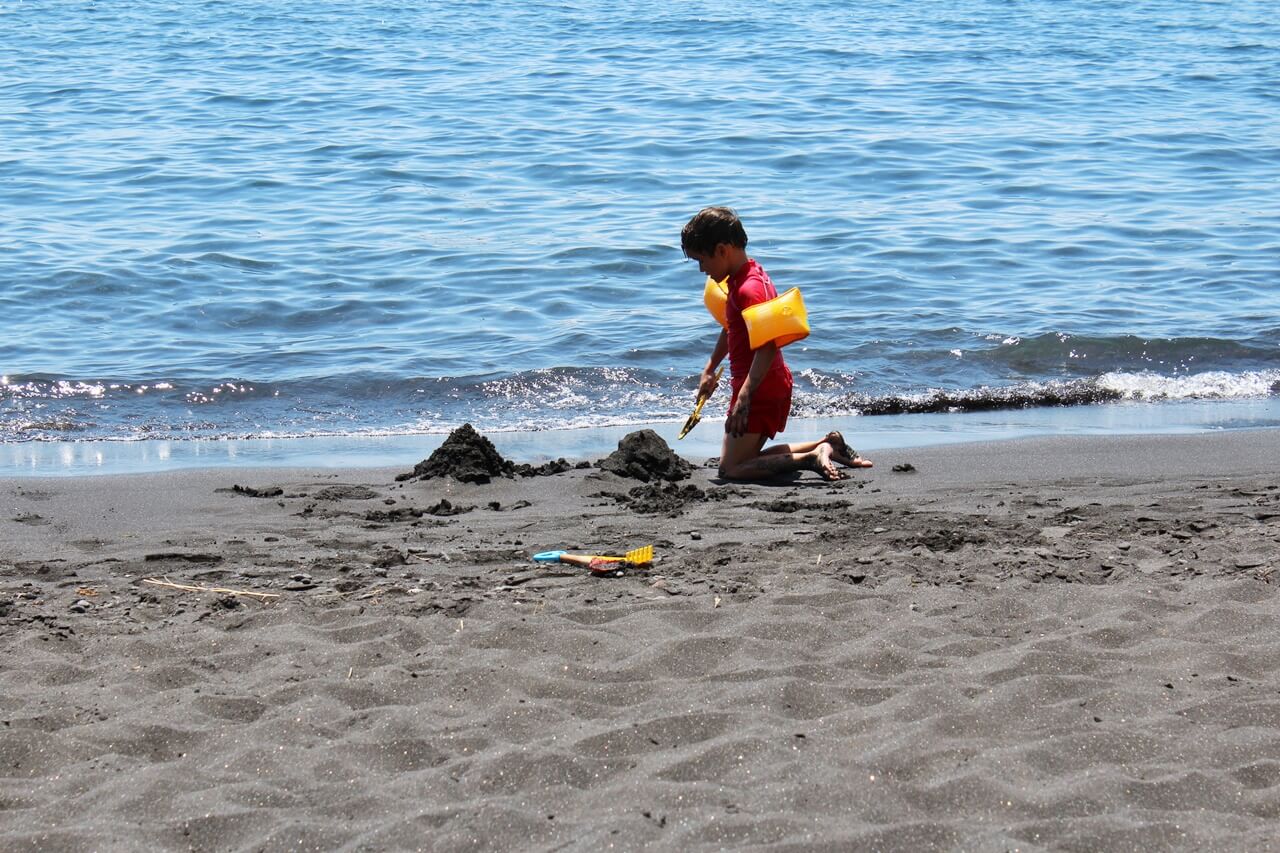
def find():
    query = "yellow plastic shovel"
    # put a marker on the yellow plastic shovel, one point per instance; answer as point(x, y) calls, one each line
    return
point(697, 409)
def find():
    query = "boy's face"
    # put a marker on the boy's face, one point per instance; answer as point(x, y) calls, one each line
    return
point(717, 264)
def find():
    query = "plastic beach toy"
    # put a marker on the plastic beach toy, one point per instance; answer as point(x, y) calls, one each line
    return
point(715, 295)
point(600, 566)
point(692, 420)
point(782, 320)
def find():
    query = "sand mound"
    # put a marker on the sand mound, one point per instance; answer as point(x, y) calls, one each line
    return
point(469, 457)
point(644, 456)
point(466, 456)
point(345, 493)
point(662, 498)
point(546, 469)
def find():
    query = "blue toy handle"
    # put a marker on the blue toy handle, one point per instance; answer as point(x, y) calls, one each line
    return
point(548, 557)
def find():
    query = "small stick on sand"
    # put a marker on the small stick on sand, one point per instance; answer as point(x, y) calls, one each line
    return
point(217, 589)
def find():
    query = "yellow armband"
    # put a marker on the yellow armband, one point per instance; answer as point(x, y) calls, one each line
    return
point(716, 297)
point(782, 320)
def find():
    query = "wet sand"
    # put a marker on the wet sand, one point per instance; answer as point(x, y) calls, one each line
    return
point(1068, 644)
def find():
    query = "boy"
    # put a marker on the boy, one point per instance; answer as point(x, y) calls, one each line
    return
point(761, 382)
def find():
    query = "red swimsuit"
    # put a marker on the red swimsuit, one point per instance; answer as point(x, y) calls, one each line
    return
point(771, 401)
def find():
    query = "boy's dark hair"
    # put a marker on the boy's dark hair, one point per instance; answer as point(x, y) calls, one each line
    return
point(710, 227)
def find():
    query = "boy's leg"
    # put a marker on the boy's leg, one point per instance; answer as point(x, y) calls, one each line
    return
point(844, 454)
point(741, 459)
point(736, 450)
point(841, 452)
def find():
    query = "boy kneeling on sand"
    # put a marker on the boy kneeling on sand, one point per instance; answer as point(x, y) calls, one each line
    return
point(761, 382)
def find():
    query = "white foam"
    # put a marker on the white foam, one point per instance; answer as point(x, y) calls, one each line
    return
point(1211, 385)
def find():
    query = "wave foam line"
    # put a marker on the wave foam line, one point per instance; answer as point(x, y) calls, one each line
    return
point(1107, 388)
point(1211, 385)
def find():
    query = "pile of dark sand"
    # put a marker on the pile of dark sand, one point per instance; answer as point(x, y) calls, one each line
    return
point(469, 457)
point(644, 456)
point(345, 493)
point(670, 499)
point(546, 469)
point(662, 498)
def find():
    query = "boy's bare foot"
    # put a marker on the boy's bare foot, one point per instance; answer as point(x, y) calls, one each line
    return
point(822, 463)
point(844, 454)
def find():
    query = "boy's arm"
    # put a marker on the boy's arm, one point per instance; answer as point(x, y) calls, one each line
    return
point(761, 360)
point(708, 383)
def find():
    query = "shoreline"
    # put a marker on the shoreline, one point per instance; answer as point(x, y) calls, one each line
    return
point(1063, 642)
point(867, 433)
point(1027, 458)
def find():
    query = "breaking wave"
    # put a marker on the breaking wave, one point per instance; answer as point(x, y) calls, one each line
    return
point(43, 408)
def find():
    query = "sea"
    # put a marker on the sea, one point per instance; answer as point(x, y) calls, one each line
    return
point(329, 233)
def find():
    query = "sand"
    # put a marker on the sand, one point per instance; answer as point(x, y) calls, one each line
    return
point(1067, 644)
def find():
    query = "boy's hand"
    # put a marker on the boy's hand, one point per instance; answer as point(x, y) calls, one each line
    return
point(736, 424)
point(710, 381)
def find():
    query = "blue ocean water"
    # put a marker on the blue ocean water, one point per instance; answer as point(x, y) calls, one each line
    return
point(262, 219)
